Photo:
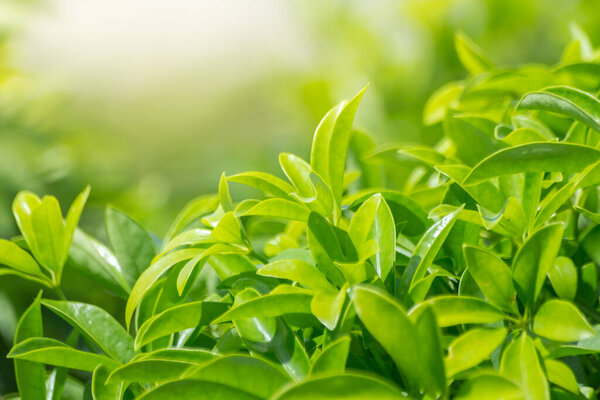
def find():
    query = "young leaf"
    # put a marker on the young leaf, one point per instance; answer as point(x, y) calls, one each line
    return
point(563, 277)
point(30, 376)
point(133, 246)
point(264, 182)
point(101, 390)
point(279, 209)
point(470, 55)
point(489, 387)
point(332, 359)
point(457, 310)
point(97, 325)
point(196, 390)
point(17, 258)
point(520, 364)
point(462, 354)
point(298, 271)
point(561, 321)
point(534, 259)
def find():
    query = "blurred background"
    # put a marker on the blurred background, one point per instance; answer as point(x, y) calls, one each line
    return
point(148, 101)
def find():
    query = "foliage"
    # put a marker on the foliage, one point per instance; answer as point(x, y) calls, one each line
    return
point(477, 279)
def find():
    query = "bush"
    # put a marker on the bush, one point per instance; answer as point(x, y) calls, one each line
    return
point(475, 279)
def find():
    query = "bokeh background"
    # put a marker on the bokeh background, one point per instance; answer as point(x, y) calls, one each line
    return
point(148, 101)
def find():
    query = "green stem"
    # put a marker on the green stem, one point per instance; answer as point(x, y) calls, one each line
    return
point(59, 292)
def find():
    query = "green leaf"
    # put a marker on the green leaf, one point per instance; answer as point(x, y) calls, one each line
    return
point(271, 305)
point(150, 276)
point(560, 374)
point(563, 277)
point(373, 223)
point(457, 310)
point(330, 144)
point(534, 157)
point(178, 318)
point(91, 258)
point(332, 359)
point(520, 364)
point(573, 103)
point(196, 390)
point(534, 259)
point(279, 209)
point(193, 210)
point(132, 245)
point(97, 325)
point(444, 98)
point(470, 55)
point(15, 257)
point(229, 230)
point(426, 251)
point(472, 348)
point(352, 386)
point(298, 271)
point(53, 352)
point(264, 182)
point(327, 307)
point(493, 277)
point(248, 374)
point(561, 321)
point(387, 321)
point(101, 390)
point(489, 387)
point(472, 136)
point(30, 376)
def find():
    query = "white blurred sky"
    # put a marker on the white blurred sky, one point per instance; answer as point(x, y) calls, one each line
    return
point(129, 45)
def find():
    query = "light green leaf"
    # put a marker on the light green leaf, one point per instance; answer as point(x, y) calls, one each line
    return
point(298, 271)
point(264, 182)
point(493, 277)
point(352, 386)
point(132, 245)
point(330, 144)
point(196, 390)
point(97, 325)
point(534, 259)
point(279, 209)
point(15, 257)
point(470, 55)
point(574, 103)
point(327, 307)
point(30, 376)
point(178, 318)
point(332, 359)
point(193, 210)
point(489, 387)
point(101, 390)
point(444, 98)
point(520, 364)
point(534, 157)
point(561, 321)
point(560, 374)
point(563, 277)
point(473, 137)
point(53, 352)
point(457, 310)
point(271, 305)
point(472, 348)
point(373, 223)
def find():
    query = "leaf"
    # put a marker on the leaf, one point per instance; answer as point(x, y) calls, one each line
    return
point(298, 271)
point(387, 321)
point(373, 222)
point(563, 277)
point(271, 305)
point(49, 234)
point(489, 387)
point(30, 376)
point(352, 386)
point(493, 277)
point(520, 364)
point(573, 103)
point(101, 390)
point(426, 251)
point(330, 144)
point(177, 319)
point(473, 137)
point(97, 325)
point(470, 55)
point(193, 210)
point(53, 352)
point(15, 257)
point(248, 374)
point(561, 321)
point(327, 307)
point(444, 98)
point(534, 259)
point(133, 246)
point(196, 390)
point(264, 182)
point(279, 209)
point(567, 158)
point(150, 276)
point(94, 260)
point(463, 354)
point(560, 374)
point(332, 359)
point(229, 230)
point(457, 310)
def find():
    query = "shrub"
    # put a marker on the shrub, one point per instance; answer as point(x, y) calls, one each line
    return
point(474, 279)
